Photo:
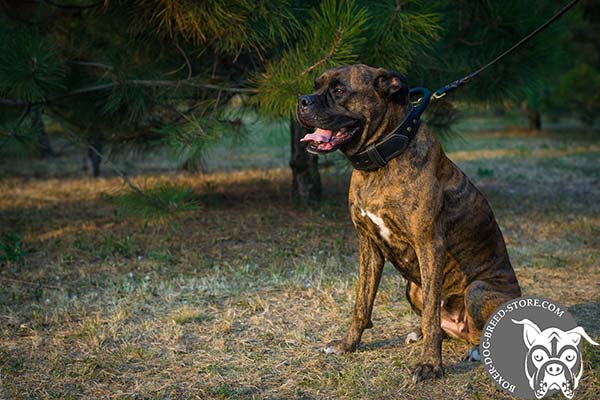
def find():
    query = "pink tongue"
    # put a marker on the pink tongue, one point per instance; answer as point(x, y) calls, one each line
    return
point(320, 135)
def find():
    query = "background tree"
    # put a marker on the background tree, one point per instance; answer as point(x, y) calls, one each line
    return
point(150, 73)
point(574, 90)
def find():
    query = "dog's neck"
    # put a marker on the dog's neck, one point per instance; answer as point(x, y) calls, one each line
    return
point(393, 116)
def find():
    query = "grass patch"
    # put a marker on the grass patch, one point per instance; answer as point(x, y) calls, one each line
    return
point(236, 297)
point(10, 247)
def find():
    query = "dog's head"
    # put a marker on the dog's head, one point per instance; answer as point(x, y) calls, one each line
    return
point(352, 106)
point(553, 360)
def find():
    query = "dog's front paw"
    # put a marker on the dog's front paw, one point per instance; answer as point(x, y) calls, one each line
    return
point(338, 347)
point(427, 371)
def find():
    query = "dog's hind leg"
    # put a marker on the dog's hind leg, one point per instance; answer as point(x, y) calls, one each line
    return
point(481, 300)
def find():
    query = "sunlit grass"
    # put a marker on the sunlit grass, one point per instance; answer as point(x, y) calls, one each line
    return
point(235, 299)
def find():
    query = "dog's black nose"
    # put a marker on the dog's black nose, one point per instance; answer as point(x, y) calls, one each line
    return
point(554, 369)
point(305, 100)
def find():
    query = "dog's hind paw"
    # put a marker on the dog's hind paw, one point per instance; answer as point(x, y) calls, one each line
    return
point(473, 354)
point(427, 371)
point(413, 337)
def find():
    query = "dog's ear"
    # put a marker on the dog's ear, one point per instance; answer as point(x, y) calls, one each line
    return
point(530, 331)
point(391, 84)
point(576, 334)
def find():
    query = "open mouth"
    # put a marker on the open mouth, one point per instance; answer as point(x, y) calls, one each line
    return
point(325, 140)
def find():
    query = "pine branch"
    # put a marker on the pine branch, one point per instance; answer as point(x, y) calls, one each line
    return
point(328, 56)
point(187, 61)
point(155, 202)
point(151, 200)
point(73, 6)
point(134, 82)
point(16, 127)
point(90, 64)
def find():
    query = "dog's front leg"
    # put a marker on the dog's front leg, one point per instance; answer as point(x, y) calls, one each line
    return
point(371, 266)
point(431, 253)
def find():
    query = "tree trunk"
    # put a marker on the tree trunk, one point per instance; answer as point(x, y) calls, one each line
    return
point(45, 148)
point(93, 159)
point(306, 181)
point(196, 166)
point(534, 118)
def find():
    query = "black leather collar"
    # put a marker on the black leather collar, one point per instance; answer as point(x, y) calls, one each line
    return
point(381, 152)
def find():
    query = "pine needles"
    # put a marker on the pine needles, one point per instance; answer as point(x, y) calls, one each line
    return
point(152, 73)
point(158, 203)
point(30, 67)
point(230, 27)
point(332, 37)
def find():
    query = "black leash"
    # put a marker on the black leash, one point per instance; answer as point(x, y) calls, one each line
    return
point(392, 145)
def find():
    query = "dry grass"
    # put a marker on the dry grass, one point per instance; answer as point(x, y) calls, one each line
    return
point(234, 300)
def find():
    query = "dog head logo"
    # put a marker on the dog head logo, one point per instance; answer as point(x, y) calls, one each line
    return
point(553, 360)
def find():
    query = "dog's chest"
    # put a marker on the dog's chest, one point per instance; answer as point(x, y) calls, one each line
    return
point(386, 229)
point(380, 227)
point(377, 213)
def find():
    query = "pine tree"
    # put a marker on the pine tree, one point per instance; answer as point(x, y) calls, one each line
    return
point(574, 91)
point(162, 72)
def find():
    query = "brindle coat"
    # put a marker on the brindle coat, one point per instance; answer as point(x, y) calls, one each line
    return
point(420, 212)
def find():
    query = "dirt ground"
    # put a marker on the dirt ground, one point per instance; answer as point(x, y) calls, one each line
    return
point(236, 298)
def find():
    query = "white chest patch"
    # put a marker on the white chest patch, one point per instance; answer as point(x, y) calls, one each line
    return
point(383, 230)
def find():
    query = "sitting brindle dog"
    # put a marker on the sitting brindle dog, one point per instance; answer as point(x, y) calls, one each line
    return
point(419, 211)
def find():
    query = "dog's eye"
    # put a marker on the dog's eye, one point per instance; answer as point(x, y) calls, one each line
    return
point(569, 355)
point(338, 91)
point(538, 355)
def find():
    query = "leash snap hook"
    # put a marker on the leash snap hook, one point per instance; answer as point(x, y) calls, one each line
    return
point(436, 96)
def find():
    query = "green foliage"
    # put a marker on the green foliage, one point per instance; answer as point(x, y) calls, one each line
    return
point(332, 37)
point(227, 26)
point(124, 246)
point(189, 140)
point(575, 91)
point(160, 202)
point(402, 32)
point(166, 72)
point(475, 32)
point(383, 33)
point(579, 93)
point(30, 66)
point(485, 172)
point(18, 139)
point(10, 247)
